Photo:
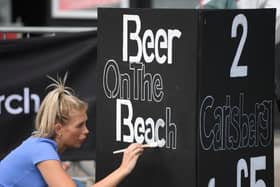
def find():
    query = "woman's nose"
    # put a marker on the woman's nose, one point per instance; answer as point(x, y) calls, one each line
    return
point(86, 131)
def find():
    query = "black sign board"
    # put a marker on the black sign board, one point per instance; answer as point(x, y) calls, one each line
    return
point(235, 109)
point(197, 83)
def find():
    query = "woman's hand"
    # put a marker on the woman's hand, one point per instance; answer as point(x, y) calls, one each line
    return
point(129, 160)
point(130, 157)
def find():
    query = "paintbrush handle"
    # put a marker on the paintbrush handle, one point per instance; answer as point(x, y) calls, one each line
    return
point(144, 146)
point(119, 151)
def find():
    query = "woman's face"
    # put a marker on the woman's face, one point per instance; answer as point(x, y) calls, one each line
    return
point(74, 133)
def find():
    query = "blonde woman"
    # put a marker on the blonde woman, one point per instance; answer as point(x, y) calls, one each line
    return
point(60, 124)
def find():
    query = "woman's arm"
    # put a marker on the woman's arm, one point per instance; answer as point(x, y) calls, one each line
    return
point(130, 157)
point(55, 176)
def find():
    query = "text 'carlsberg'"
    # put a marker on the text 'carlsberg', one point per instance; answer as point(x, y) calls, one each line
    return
point(154, 43)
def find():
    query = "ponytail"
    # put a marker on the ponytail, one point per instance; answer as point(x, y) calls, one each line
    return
point(56, 108)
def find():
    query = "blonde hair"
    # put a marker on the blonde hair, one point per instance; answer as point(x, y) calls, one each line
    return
point(56, 108)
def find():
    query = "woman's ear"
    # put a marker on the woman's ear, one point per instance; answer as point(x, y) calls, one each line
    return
point(58, 129)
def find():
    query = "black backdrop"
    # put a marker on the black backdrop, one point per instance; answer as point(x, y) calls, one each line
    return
point(277, 74)
point(24, 65)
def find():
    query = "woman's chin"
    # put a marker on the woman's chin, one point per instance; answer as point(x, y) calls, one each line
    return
point(78, 145)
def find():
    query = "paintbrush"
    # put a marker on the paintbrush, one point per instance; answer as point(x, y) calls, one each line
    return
point(152, 145)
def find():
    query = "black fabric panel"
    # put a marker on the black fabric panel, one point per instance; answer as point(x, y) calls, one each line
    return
point(25, 63)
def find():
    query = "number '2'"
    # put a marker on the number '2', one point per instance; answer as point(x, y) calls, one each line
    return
point(235, 70)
